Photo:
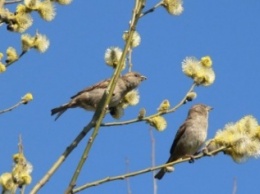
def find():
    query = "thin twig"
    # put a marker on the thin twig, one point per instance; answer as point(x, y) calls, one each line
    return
point(20, 150)
point(12, 1)
point(234, 186)
point(183, 101)
point(20, 144)
point(11, 108)
point(20, 56)
point(2, 2)
point(22, 190)
point(152, 9)
point(100, 113)
point(129, 60)
point(124, 176)
point(127, 179)
point(62, 158)
point(153, 159)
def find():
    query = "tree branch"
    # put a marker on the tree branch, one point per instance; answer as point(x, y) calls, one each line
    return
point(62, 158)
point(153, 159)
point(2, 2)
point(183, 101)
point(101, 111)
point(124, 176)
point(152, 9)
point(98, 116)
point(12, 1)
point(11, 108)
point(127, 179)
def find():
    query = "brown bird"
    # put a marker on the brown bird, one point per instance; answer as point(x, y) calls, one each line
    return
point(90, 97)
point(190, 136)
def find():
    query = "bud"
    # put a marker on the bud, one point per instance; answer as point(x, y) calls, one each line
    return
point(158, 122)
point(2, 68)
point(142, 113)
point(136, 39)
point(27, 98)
point(206, 61)
point(112, 56)
point(164, 106)
point(191, 96)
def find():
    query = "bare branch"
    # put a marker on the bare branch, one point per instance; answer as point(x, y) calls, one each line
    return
point(20, 144)
point(11, 108)
point(62, 158)
point(153, 159)
point(100, 113)
point(234, 186)
point(152, 9)
point(20, 56)
point(2, 2)
point(124, 176)
point(127, 179)
point(183, 101)
point(12, 1)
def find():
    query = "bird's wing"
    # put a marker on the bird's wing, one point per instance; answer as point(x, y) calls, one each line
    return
point(178, 135)
point(101, 85)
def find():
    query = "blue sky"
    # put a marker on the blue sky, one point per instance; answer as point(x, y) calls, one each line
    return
point(228, 31)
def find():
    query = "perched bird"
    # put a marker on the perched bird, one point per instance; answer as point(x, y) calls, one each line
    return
point(90, 97)
point(190, 136)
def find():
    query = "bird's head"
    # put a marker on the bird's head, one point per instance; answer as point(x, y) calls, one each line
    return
point(200, 109)
point(133, 79)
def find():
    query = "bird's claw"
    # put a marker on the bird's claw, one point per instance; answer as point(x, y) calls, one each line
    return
point(192, 159)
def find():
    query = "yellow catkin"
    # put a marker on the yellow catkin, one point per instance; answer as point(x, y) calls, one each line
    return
point(158, 123)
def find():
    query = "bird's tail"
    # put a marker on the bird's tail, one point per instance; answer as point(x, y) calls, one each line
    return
point(163, 170)
point(160, 174)
point(59, 110)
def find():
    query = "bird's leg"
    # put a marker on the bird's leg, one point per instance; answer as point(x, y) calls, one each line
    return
point(192, 159)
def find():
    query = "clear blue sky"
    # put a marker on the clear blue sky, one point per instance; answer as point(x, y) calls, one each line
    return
point(228, 31)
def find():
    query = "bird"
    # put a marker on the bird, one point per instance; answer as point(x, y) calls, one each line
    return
point(190, 136)
point(89, 98)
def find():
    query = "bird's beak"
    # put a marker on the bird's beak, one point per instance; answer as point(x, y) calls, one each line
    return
point(210, 108)
point(143, 78)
